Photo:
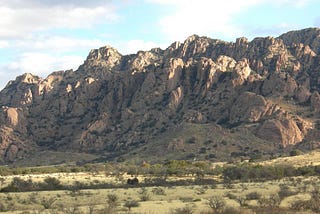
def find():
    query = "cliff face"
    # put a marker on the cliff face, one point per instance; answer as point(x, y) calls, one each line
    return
point(114, 104)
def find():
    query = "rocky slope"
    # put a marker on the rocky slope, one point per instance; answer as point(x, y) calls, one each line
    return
point(257, 97)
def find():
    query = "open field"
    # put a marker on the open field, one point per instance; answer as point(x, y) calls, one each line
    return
point(283, 185)
point(312, 158)
point(160, 200)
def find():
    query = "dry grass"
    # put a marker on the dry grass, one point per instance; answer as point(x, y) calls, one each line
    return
point(45, 158)
point(173, 197)
point(312, 158)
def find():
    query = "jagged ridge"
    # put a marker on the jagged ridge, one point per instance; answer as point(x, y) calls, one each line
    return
point(266, 90)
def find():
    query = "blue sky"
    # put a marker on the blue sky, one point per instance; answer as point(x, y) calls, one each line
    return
point(42, 36)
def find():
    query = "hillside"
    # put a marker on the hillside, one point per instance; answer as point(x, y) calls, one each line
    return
point(203, 98)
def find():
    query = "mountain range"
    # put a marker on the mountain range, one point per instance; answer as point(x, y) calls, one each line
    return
point(201, 99)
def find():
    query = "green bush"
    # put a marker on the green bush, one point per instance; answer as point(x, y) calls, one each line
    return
point(296, 152)
point(51, 183)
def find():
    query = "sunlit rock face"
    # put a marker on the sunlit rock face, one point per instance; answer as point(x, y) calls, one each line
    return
point(115, 102)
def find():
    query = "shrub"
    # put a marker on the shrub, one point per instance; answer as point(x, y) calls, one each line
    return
point(144, 195)
point(131, 203)
point(315, 200)
point(33, 197)
point(296, 152)
point(201, 190)
point(242, 200)
point(231, 210)
point(216, 203)
point(231, 196)
point(19, 185)
point(72, 210)
point(184, 210)
point(104, 210)
point(112, 200)
point(300, 205)
point(3, 207)
point(158, 191)
point(51, 183)
point(47, 203)
point(272, 202)
point(285, 192)
point(186, 199)
point(253, 196)
point(191, 140)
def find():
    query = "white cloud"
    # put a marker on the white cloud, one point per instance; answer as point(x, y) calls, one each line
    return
point(202, 17)
point(56, 43)
point(51, 3)
point(4, 44)
point(210, 17)
point(31, 43)
point(40, 64)
point(133, 46)
point(22, 22)
point(43, 64)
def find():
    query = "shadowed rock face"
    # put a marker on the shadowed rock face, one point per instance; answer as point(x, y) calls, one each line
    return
point(114, 103)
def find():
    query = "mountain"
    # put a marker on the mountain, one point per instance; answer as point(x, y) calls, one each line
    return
point(203, 98)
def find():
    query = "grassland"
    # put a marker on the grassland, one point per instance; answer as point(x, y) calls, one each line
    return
point(88, 192)
point(160, 200)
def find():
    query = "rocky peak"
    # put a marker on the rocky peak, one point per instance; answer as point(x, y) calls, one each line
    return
point(104, 56)
point(20, 92)
point(143, 59)
point(191, 39)
point(267, 88)
point(309, 36)
point(28, 78)
point(242, 41)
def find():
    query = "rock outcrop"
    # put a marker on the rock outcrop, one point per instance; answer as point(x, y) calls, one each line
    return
point(113, 104)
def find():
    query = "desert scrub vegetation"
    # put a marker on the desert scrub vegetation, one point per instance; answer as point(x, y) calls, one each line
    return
point(171, 187)
point(258, 197)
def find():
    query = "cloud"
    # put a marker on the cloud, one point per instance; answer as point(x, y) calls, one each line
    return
point(52, 3)
point(29, 40)
point(133, 46)
point(212, 18)
point(201, 17)
point(4, 44)
point(43, 64)
point(56, 43)
point(21, 21)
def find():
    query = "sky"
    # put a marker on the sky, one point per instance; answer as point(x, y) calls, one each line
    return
point(42, 36)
